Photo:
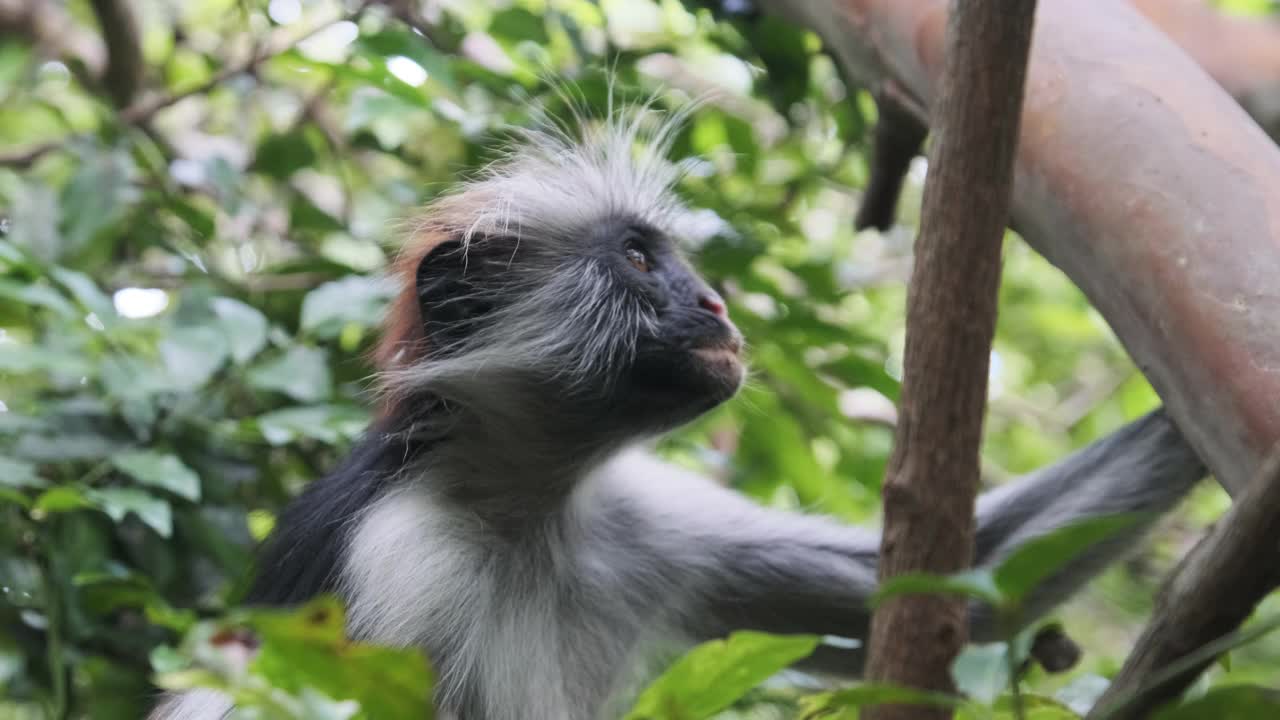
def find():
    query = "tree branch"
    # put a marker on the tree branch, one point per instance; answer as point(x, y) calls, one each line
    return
point(1242, 54)
point(1214, 589)
point(123, 76)
point(1140, 178)
point(278, 42)
point(933, 475)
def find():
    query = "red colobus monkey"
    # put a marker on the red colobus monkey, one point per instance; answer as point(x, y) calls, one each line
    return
point(502, 513)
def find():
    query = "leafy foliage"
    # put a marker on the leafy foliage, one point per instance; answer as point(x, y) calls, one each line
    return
point(188, 295)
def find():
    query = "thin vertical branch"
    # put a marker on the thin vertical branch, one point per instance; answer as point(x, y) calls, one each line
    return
point(933, 475)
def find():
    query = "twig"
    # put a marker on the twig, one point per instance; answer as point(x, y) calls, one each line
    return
point(140, 111)
point(279, 42)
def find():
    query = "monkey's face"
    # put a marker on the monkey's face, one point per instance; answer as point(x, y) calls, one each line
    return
point(687, 353)
point(607, 333)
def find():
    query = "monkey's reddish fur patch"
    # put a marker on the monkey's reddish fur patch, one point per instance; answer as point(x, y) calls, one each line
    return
point(403, 340)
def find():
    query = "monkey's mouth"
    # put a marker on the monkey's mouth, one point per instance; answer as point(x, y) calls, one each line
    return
point(722, 360)
point(730, 347)
point(696, 378)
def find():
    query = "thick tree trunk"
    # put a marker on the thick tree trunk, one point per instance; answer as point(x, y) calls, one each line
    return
point(951, 310)
point(1143, 180)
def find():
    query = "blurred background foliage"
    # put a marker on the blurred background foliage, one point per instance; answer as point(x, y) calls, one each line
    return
point(189, 285)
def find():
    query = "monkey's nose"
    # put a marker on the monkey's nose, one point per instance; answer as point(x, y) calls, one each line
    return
point(713, 303)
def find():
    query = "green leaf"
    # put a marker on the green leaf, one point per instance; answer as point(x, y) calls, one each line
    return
point(279, 156)
point(982, 671)
point(856, 371)
point(976, 583)
point(16, 497)
point(1234, 702)
point(1034, 707)
point(1082, 693)
point(64, 447)
point(19, 474)
point(326, 423)
point(356, 299)
point(191, 355)
point(713, 675)
point(201, 223)
point(160, 470)
point(60, 499)
point(36, 295)
point(119, 502)
point(309, 648)
point(244, 327)
point(97, 197)
point(23, 359)
point(311, 669)
point(1037, 559)
point(302, 373)
point(304, 215)
point(844, 704)
point(782, 49)
point(87, 293)
point(517, 25)
point(104, 592)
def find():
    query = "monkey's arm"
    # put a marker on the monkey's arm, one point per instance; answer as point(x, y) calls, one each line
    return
point(755, 568)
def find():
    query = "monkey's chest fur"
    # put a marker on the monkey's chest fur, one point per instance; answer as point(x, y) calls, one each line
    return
point(533, 623)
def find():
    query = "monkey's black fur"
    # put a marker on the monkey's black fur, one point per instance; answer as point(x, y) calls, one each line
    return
point(302, 556)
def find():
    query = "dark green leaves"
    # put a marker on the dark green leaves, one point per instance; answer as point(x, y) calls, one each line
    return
point(1036, 560)
point(159, 470)
point(847, 704)
point(301, 372)
point(244, 327)
point(299, 665)
point(1239, 702)
point(279, 156)
point(355, 300)
point(1009, 583)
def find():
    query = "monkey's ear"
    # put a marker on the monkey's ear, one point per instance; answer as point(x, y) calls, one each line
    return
point(451, 292)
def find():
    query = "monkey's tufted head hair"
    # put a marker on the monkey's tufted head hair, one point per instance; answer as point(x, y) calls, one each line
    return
point(556, 274)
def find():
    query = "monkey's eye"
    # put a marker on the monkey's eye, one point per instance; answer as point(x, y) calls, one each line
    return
point(638, 258)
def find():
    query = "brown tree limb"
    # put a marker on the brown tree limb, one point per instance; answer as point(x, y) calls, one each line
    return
point(1140, 178)
point(933, 475)
point(1241, 53)
point(1213, 590)
point(124, 72)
